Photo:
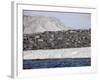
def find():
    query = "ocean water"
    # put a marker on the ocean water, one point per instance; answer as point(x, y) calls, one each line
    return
point(54, 63)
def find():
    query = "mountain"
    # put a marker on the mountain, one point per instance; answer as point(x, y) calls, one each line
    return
point(35, 24)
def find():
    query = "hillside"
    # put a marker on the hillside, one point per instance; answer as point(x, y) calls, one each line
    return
point(35, 24)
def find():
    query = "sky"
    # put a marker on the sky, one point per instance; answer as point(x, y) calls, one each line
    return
point(70, 19)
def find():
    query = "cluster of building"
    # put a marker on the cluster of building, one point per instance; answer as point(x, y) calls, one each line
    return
point(57, 39)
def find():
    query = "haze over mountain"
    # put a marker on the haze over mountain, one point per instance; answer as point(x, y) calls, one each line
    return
point(34, 24)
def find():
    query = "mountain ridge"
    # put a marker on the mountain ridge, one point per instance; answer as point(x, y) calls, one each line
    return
point(34, 24)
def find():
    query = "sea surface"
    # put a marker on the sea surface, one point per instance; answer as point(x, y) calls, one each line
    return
point(54, 63)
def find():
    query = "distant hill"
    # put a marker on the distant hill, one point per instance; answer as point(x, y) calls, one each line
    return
point(34, 24)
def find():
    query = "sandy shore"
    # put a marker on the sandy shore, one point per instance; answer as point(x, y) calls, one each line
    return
point(58, 53)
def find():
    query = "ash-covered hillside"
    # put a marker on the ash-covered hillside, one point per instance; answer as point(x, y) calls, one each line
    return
point(35, 24)
point(57, 39)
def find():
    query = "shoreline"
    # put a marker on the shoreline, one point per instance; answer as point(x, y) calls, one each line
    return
point(58, 53)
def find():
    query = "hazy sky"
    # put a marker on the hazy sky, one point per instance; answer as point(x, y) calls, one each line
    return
point(73, 20)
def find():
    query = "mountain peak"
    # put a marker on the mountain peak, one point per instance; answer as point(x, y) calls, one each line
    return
point(34, 24)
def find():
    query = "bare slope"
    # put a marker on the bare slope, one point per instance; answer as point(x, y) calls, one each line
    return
point(34, 24)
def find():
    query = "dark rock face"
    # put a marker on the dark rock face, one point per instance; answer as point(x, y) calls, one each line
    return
point(57, 39)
